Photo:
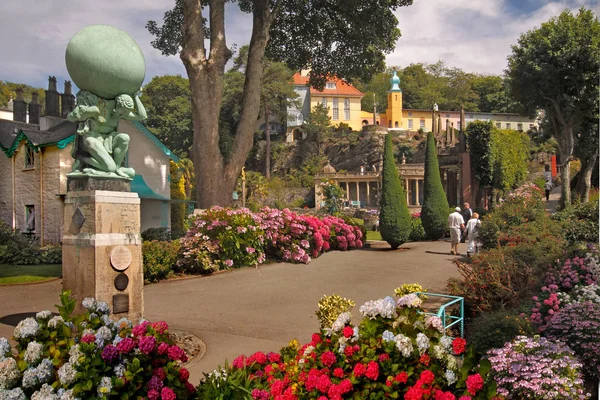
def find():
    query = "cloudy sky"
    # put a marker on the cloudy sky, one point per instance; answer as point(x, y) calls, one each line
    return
point(474, 35)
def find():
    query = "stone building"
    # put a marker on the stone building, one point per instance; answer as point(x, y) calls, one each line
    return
point(36, 157)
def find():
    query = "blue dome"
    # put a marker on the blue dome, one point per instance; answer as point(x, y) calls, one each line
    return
point(395, 81)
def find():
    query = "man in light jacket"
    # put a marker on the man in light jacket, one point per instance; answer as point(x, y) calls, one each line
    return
point(456, 224)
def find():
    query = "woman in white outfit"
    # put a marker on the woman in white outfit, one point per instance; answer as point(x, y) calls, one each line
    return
point(471, 229)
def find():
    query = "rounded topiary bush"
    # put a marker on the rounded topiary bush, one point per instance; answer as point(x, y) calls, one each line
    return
point(578, 325)
point(434, 213)
point(394, 218)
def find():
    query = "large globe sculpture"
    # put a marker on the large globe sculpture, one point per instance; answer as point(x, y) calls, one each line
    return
point(106, 61)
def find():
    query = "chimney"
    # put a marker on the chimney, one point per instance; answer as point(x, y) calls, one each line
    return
point(52, 106)
point(19, 107)
point(67, 100)
point(35, 109)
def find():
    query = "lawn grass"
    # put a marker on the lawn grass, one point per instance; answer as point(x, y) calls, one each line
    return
point(10, 274)
point(374, 235)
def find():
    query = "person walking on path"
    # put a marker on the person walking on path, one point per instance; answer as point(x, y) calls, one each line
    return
point(456, 224)
point(466, 213)
point(473, 226)
point(549, 187)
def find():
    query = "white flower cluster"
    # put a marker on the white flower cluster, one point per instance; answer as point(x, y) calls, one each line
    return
point(593, 264)
point(341, 321)
point(66, 374)
point(404, 345)
point(581, 294)
point(9, 373)
point(422, 343)
point(55, 322)
point(75, 354)
point(431, 321)
point(446, 342)
point(385, 307)
point(104, 387)
point(34, 353)
point(27, 328)
point(388, 336)
point(450, 376)
point(4, 347)
point(410, 300)
point(14, 394)
point(103, 335)
point(93, 306)
point(119, 370)
point(43, 315)
point(45, 393)
point(308, 350)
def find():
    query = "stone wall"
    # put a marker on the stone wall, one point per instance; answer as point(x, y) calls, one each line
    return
point(27, 192)
point(52, 203)
point(6, 189)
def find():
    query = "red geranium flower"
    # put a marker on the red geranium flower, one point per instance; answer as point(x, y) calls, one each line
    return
point(459, 345)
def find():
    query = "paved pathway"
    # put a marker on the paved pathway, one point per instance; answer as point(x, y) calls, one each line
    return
point(552, 204)
point(246, 310)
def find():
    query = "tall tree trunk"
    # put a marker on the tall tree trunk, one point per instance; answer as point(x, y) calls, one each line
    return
point(584, 183)
point(564, 136)
point(215, 176)
point(268, 144)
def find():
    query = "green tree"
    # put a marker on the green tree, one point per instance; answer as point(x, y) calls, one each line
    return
point(394, 218)
point(492, 94)
point(375, 90)
point(8, 90)
point(586, 149)
point(556, 68)
point(434, 213)
point(479, 143)
point(307, 33)
point(318, 125)
point(167, 101)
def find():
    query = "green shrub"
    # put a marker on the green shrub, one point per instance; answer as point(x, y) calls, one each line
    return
point(159, 259)
point(160, 234)
point(394, 218)
point(51, 255)
point(434, 213)
point(580, 222)
point(16, 248)
point(417, 233)
point(492, 329)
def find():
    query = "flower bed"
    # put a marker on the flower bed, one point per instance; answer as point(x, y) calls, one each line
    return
point(395, 352)
point(91, 357)
point(222, 238)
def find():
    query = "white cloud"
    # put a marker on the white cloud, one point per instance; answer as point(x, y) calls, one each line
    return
point(474, 35)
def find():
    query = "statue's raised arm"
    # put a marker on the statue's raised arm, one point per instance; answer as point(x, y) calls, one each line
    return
point(130, 108)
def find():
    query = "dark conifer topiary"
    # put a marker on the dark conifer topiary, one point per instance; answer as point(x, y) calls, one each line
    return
point(434, 213)
point(394, 218)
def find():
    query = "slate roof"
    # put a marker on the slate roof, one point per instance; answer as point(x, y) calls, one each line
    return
point(9, 131)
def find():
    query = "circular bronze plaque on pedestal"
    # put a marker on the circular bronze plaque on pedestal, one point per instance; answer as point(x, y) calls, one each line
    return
point(121, 281)
point(120, 258)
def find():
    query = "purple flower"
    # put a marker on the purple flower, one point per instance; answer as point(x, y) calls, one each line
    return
point(110, 353)
point(155, 383)
point(147, 344)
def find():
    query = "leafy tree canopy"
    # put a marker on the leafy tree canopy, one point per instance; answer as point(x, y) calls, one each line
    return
point(8, 90)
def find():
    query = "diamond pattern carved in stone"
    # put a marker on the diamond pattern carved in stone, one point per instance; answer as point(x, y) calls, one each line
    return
point(78, 218)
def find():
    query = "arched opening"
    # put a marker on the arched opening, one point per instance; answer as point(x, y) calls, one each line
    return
point(365, 122)
point(390, 124)
point(377, 122)
point(396, 124)
point(297, 134)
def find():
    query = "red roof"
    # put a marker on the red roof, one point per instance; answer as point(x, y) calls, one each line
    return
point(341, 88)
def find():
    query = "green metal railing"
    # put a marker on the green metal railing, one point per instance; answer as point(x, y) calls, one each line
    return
point(453, 319)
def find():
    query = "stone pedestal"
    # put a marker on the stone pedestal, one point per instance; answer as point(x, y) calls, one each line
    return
point(102, 246)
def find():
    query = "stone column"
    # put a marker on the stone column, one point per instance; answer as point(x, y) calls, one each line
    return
point(102, 246)
point(368, 193)
point(417, 192)
point(357, 191)
point(407, 189)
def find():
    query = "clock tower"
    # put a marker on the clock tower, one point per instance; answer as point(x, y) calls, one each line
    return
point(394, 110)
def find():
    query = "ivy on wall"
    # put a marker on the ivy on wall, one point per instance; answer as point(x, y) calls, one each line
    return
point(498, 157)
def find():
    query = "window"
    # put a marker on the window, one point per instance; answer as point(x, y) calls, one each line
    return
point(520, 127)
point(336, 111)
point(324, 102)
point(389, 124)
point(498, 125)
point(508, 125)
point(346, 109)
point(29, 157)
point(530, 126)
point(410, 114)
point(30, 218)
point(396, 124)
point(422, 123)
point(330, 85)
point(410, 124)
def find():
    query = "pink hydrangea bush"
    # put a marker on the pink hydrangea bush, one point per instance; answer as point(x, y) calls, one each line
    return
point(578, 325)
point(222, 238)
point(395, 352)
point(564, 278)
point(537, 368)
